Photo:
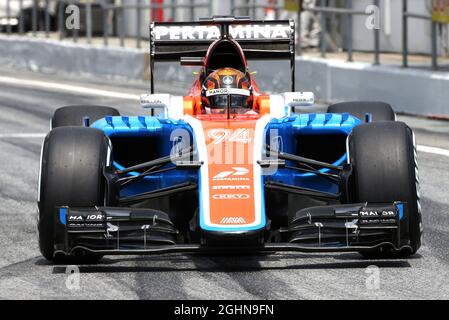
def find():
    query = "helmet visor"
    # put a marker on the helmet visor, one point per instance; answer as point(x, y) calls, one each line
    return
point(237, 99)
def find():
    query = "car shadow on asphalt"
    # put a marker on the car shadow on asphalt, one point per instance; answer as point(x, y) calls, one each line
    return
point(233, 263)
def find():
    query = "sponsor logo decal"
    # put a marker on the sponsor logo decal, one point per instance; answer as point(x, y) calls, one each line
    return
point(229, 196)
point(85, 220)
point(238, 171)
point(90, 217)
point(380, 213)
point(378, 216)
point(238, 32)
point(232, 220)
point(230, 187)
point(227, 80)
point(219, 91)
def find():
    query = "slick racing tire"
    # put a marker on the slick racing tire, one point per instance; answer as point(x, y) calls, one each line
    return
point(380, 111)
point(383, 156)
point(71, 174)
point(73, 115)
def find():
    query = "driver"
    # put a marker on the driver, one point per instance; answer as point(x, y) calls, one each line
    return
point(227, 87)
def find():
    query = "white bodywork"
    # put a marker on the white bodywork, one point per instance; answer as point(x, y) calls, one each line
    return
point(172, 107)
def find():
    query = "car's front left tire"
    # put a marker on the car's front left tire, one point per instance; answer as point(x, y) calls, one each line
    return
point(379, 111)
point(71, 174)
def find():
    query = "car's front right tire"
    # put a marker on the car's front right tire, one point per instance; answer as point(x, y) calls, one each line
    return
point(383, 156)
point(73, 115)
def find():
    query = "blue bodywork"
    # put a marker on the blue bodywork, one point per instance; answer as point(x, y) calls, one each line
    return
point(287, 128)
point(310, 124)
point(147, 126)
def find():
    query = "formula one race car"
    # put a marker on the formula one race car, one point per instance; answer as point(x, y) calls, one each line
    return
point(228, 168)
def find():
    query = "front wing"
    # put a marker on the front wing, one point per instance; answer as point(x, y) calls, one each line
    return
point(341, 228)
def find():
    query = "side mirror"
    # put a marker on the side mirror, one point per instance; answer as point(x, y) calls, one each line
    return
point(155, 101)
point(299, 99)
point(169, 106)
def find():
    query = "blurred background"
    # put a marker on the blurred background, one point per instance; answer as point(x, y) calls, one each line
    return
point(395, 35)
point(330, 25)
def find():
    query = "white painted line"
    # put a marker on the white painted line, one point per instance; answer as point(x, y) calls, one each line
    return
point(434, 150)
point(68, 88)
point(22, 135)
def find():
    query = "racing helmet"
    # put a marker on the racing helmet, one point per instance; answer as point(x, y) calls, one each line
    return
point(227, 89)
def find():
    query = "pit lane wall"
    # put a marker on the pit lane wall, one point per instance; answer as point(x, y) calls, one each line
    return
point(410, 91)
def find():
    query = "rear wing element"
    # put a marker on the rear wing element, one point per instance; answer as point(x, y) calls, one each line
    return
point(264, 40)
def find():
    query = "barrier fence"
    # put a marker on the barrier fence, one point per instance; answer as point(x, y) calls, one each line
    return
point(109, 19)
point(109, 12)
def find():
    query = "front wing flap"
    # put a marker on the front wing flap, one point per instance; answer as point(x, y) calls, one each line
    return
point(348, 225)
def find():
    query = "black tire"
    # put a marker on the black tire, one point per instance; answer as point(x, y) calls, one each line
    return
point(380, 111)
point(71, 174)
point(73, 115)
point(383, 155)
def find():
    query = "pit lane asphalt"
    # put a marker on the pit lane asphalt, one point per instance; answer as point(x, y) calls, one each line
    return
point(24, 274)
